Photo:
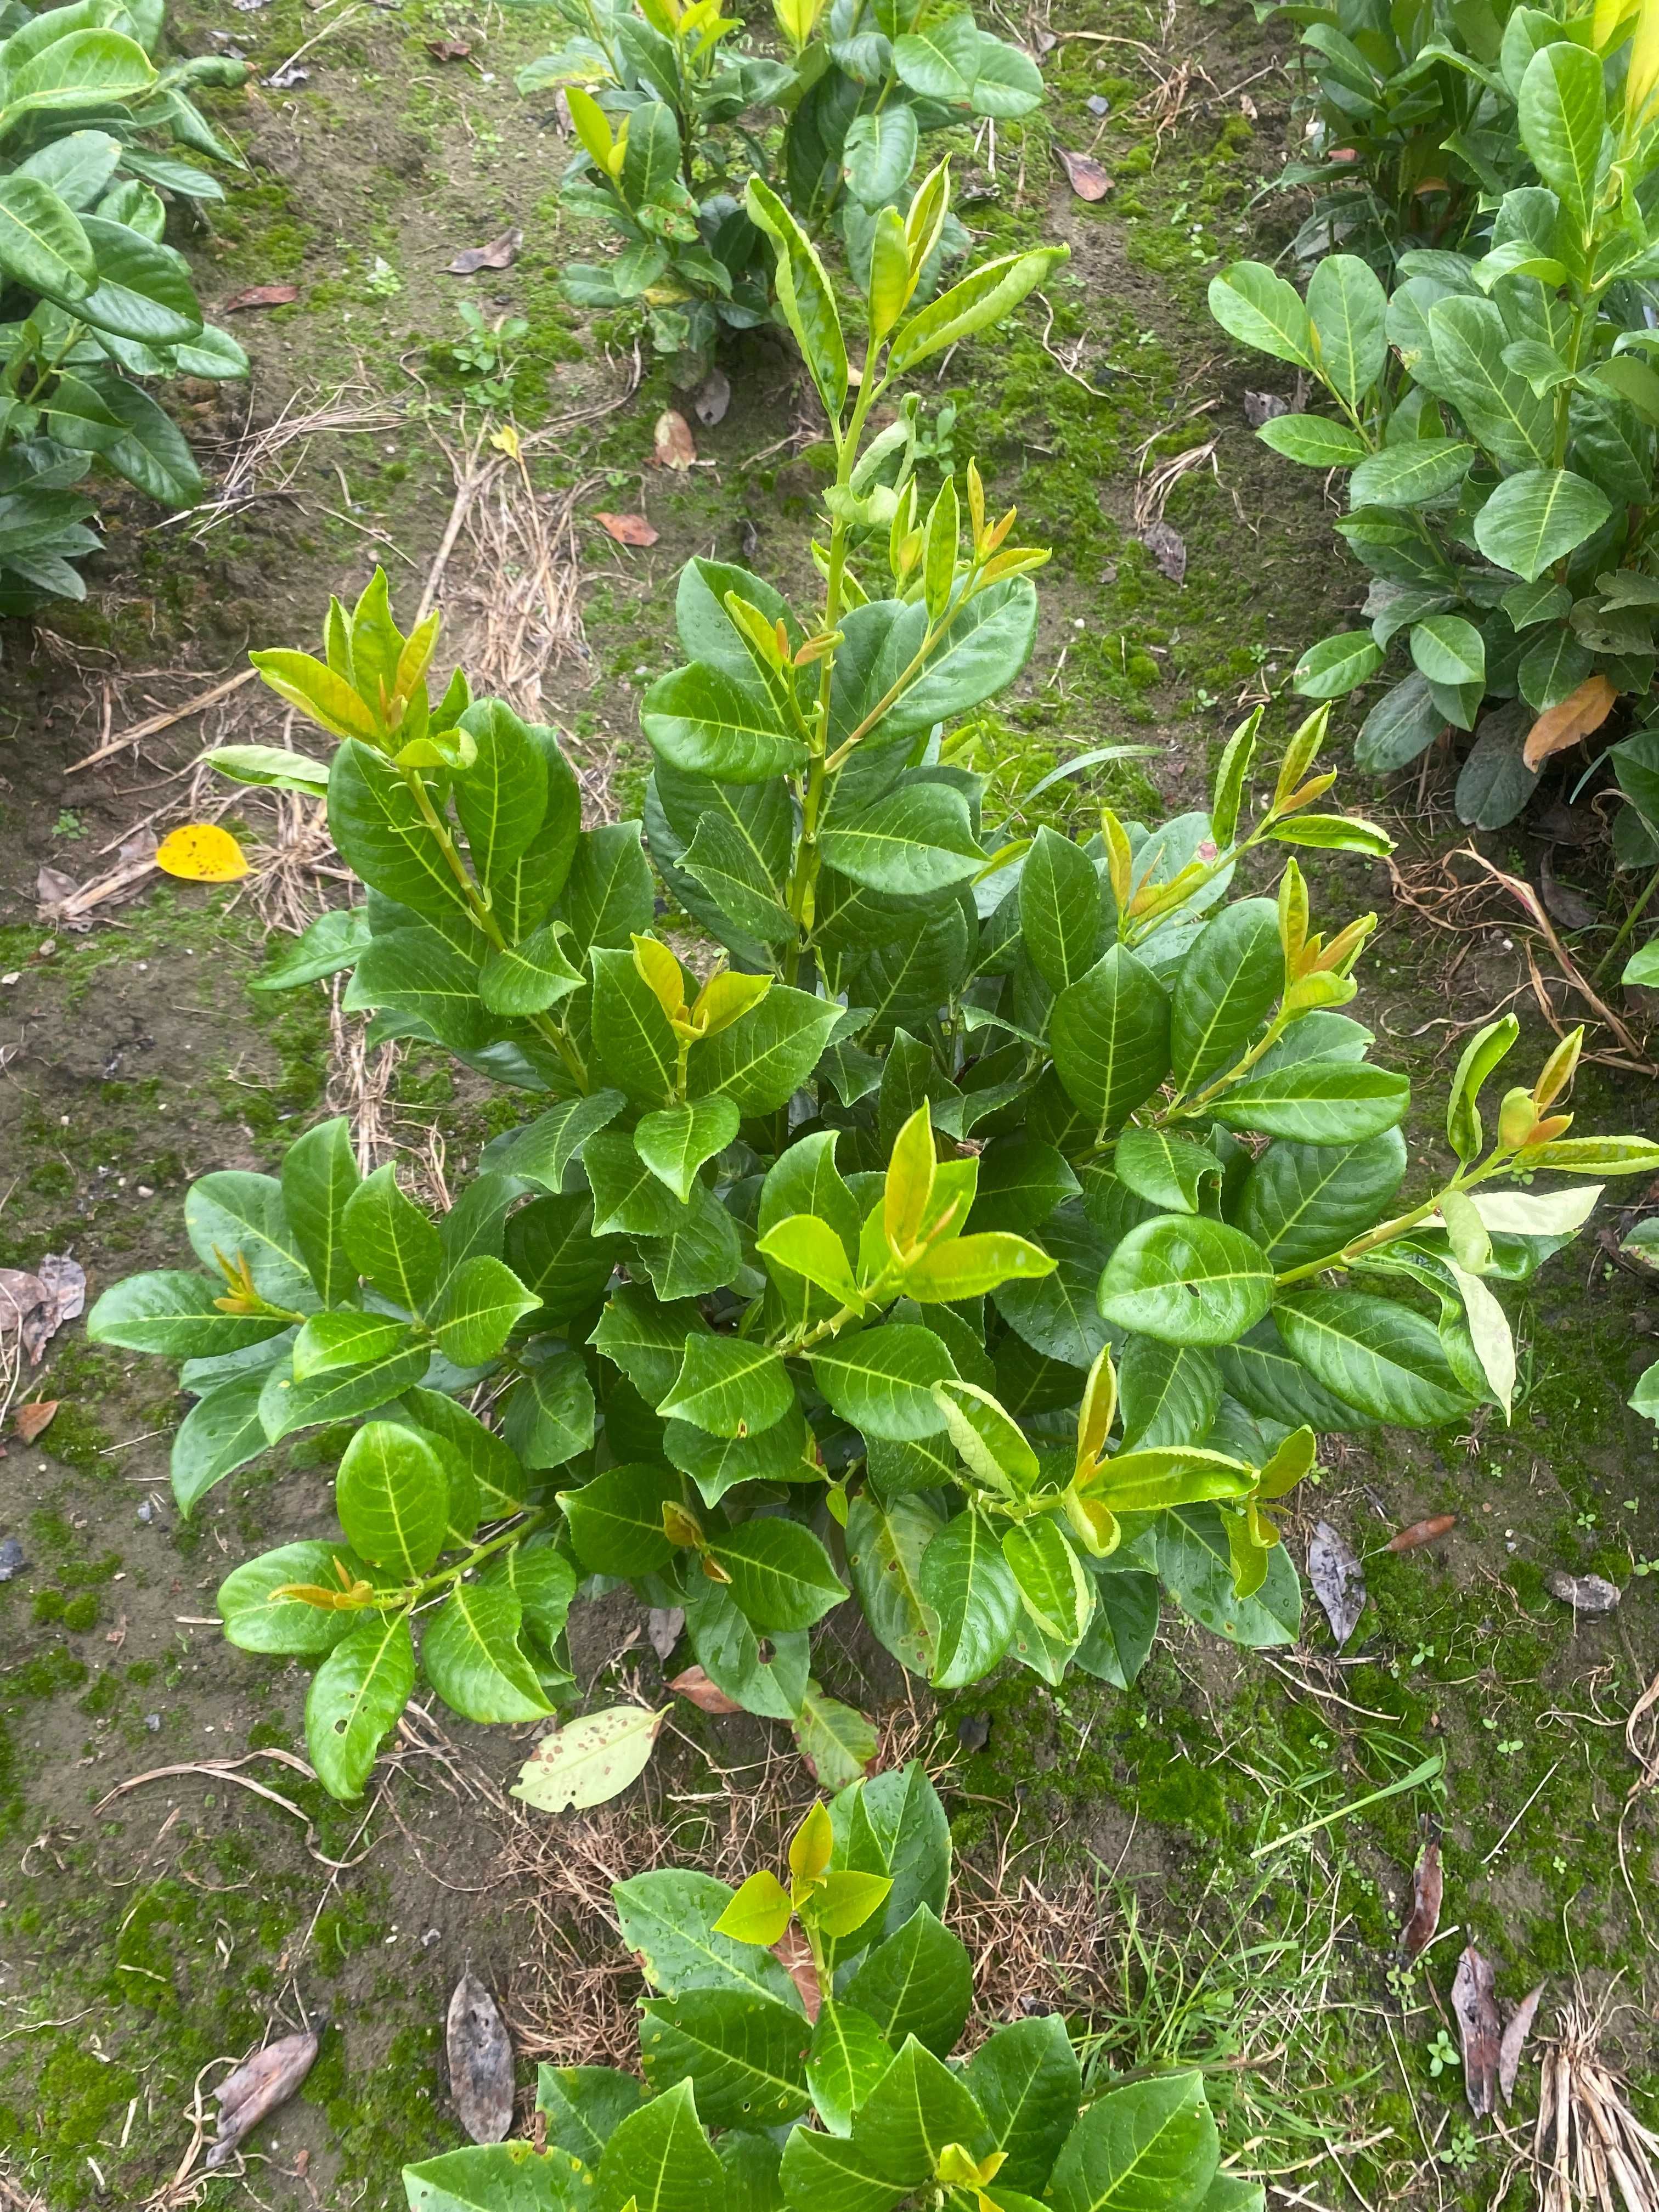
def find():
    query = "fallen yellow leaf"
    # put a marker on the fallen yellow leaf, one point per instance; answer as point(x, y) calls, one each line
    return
point(1578, 715)
point(201, 852)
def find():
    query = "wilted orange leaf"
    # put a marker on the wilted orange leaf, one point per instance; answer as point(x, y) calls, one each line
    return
point(707, 1696)
point(628, 529)
point(1578, 714)
point(672, 441)
point(201, 852)
point(35, 1419)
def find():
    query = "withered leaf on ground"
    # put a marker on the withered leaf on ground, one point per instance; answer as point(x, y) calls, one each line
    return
point(497, 254)
point(1561, 902)
point(1578, 715)
point(1428, 1886)
point(1421, 1533)
point(259, 2085)
point(672, 445)
point(1339, 1581)
point(712, 397)
point(663, 1625)
point(1166, 547)
point(1479, 2026)
point(1088, 180)
point(261, 296)
point(1261, 407)
point(34, 1307)
point(448, 50)
point(628, 529)
point(707, 1697)
point(480, 2053)
point(33, 1420)
point(1583, 1593)
point(1516, 2029)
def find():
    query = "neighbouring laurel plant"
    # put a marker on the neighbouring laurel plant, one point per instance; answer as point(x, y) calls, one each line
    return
point(674, 112)
point(96, 303)
point(1408, 119)
point(989, 1222)
point(1496, 414)
point(749, 2099)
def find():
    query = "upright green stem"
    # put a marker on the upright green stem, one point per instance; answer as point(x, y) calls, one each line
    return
point(543, 1025)
point(805, 873)
point(1624, 929)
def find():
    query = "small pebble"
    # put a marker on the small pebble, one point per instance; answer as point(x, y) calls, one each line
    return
point(12, 1562)
point(1097, 106)
point(153, 1723)
point(146, 1513)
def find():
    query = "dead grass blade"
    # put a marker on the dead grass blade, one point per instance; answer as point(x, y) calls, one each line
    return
point(1590, 2150)
point(154, 724)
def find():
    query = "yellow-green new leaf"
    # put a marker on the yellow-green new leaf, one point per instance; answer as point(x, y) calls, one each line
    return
point(974, 305)
point(758, 1914)
point(804, 296)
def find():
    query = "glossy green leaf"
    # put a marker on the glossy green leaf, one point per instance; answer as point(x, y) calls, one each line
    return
point(676, 1140)
point(781, 1577)
point(881, 1379)
point(257, 1619)
point(392, 1499)
point(1381, 1356)
point(1533, 518)
point(1317, 1102)
point(388, 1239)
point(1110, 1033)
point(660, 2159)
point(668, 1916)
point(1187, 1280)
point(470, 1650)
point(744, 2054)
point(477, 1310)
point(1148, 2147)
point(1026, 2081)
point(916, 1982)
point(355, 1698)
point(1261, 310)
point(971, 1588)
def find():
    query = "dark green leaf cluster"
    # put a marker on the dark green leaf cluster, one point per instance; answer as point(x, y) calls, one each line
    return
point(669, 104)
point(96, 302)
point(1410, 119)
point(990, 1225)
point(1497, 413)
point(751, 2101)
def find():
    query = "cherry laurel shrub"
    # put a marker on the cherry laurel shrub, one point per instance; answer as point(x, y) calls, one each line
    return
point(994, 1227)
point(1497, 411)
point(749, 2102)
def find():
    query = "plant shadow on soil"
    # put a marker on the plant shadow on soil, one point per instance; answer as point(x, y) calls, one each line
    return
point(146, 1937)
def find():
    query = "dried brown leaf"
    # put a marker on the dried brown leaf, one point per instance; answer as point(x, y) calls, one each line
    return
point(1421, 1533)
point(1516, 2029)
point(35, 1419)
point(1428, 1886)
point(1166, 547)
point(1563, 904)
point(1578, 714)
point(1261, 407)
point(628, 529)
point(707, 1696)
point(712, 397)
point(797, 1956)
point(663, 1627)
point(448, 50)
point(497, 254)
point(261, 296)
point(1479, 2029)
point(480, 2053)
point(1087, 180)
point(1583, 1593)
point(1339, 1581)
point(259, 2085)
point(672, 446)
